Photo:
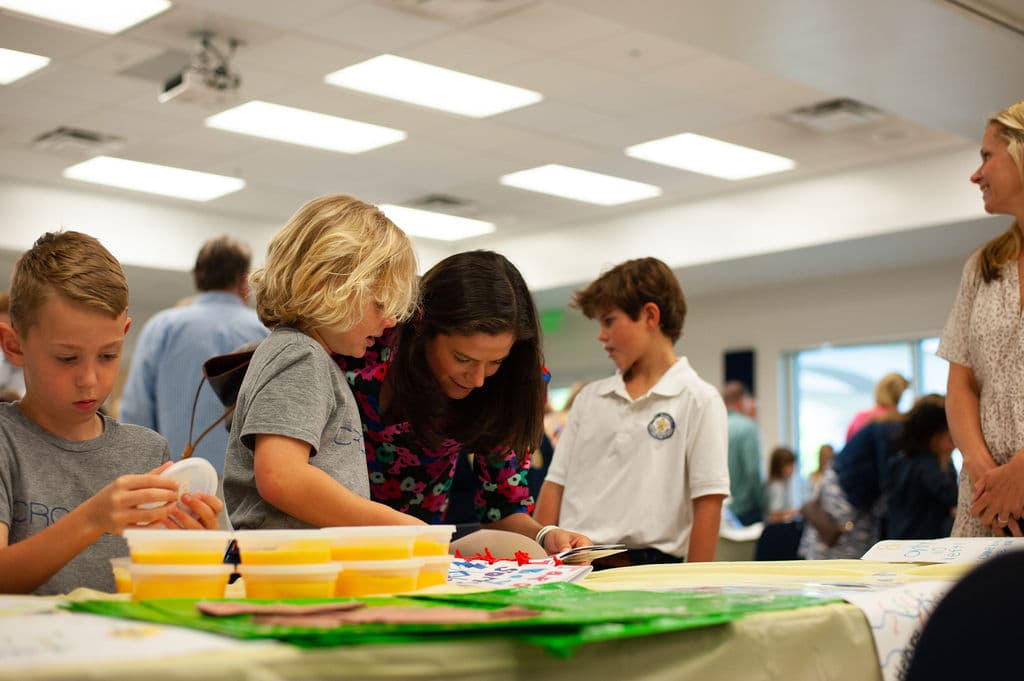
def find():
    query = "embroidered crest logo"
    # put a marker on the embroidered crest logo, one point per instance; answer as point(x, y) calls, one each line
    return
point(661, 427)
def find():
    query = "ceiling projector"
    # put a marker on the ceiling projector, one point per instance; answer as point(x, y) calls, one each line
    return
point(205, 89)
point(208, 80)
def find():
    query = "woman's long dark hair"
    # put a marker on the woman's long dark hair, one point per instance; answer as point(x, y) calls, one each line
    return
point(465, 294)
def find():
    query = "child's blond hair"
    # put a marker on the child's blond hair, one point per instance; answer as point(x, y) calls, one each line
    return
point(69, 264)
point(334, 257)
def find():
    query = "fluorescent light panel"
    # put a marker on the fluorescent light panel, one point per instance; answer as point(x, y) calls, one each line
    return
point(438, 88)
point(105, 16)
point(708, 156)
point(15, 65)
point(154, 179)
point(308, 128)
point(432, 225)
point(581, 185)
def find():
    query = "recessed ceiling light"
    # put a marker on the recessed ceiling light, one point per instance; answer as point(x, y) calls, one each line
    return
point(15, 65)
point(581, 185)
point(708, 156)
point(308, 128)
point(432, 86)
point(155, 179)
point(432, 225)
point(105, 16)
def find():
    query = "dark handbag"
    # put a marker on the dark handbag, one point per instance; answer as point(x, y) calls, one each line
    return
point(224, 374)
point(825, 525)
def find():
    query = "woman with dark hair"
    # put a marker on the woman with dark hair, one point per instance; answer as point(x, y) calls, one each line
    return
point(465, 374)
point(921, 483)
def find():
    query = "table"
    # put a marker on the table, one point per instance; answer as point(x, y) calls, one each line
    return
point(823, 643)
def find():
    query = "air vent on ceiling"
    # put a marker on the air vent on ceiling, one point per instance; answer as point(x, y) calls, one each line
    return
point(76, 141)
point(834, 115)
point(459, 11)
point(1006, 13)
point(443, 203)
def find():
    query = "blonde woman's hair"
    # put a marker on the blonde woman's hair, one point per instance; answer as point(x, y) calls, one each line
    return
point(1007, 246)
point(71, 265)
point(889, 390)
point(333, 258)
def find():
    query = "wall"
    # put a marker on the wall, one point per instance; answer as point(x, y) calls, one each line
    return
point(864, 307)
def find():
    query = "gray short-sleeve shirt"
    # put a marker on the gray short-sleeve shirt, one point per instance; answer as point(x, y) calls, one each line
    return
point(292, 388)
point(44, 477)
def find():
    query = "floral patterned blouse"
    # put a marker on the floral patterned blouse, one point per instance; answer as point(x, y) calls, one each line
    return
point(410, 477)
point(985, 331)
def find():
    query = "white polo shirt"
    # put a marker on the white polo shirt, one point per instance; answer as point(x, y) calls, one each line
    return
point(631, 468)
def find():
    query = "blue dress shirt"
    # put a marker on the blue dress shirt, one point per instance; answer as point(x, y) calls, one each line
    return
point(167, 365)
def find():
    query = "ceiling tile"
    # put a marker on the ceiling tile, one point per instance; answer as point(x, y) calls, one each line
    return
point(377, 28)
point(633, 53)
point(547, 27)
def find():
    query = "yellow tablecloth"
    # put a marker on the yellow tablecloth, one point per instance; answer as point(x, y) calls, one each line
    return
point(826, 643)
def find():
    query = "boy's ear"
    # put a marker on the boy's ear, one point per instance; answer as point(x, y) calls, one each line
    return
point(127, 325)
point(11, 342)
point(652, 315)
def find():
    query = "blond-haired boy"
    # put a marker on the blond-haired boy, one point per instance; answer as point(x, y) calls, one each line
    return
point(69, 317)
point(337, 275)
point(643, 458)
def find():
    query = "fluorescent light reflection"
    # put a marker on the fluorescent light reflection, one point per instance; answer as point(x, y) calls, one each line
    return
point(308, 128)
point(104, 16)
point(708, 156)
point(154, 179)
point(581, 185)
point(15, 65)
point(432, 86)
point(433, 225)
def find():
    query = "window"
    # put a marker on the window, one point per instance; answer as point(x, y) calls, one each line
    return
point(829, 385)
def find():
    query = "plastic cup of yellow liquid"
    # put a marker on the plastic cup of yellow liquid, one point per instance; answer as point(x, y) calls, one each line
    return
point(122, 574)
point(374, 542)
point(375, 577)
point(177, 547)
point(283, 547)
point(150, 580)
point(297, 580)
point(432, 540)
point(434, 570)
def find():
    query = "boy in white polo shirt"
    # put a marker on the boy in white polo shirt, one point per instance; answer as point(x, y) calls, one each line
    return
point(643, 460)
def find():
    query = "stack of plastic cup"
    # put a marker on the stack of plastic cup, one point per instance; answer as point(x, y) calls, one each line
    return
point(175, 563)
point(287, 564)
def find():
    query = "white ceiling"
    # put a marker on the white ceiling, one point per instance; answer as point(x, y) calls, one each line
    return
point(612, 73)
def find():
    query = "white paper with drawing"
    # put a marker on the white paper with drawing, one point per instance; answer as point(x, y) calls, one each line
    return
point(946, 550)
point(896, 617)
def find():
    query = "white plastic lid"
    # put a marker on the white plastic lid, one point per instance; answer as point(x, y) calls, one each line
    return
point(180, 570)
point(291, 569)
point(195, 475)
point(162, 535)
point(398, 565)
point(435, 531)
point(373, 531)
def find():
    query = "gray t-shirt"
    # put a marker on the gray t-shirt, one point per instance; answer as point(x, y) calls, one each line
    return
point(43, 477)
point(292, 388)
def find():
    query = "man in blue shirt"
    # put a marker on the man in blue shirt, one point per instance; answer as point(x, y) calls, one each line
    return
point(166, 366)
point(745, 487)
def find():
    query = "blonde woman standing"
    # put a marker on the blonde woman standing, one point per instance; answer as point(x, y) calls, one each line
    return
point(984, 343)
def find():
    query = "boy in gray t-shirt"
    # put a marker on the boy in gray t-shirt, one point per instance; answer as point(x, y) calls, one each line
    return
point(60, 514)
point(292, 388)
point(336, 276)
